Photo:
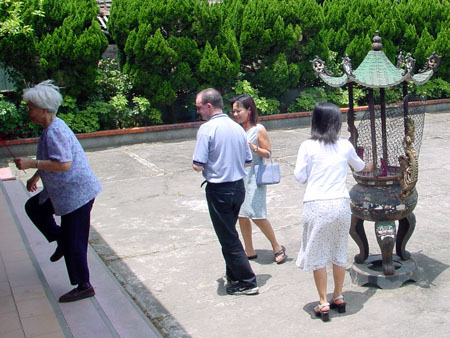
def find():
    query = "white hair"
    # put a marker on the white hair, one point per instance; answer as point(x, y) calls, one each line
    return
point(44, 95)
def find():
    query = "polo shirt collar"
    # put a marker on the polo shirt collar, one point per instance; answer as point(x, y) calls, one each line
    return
point(218, 115)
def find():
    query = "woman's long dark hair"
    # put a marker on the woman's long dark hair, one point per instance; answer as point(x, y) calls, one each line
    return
point(326, 122)
point(247, 102)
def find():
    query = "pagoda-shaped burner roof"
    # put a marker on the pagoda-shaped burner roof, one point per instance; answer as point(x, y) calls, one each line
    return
point(376, 71)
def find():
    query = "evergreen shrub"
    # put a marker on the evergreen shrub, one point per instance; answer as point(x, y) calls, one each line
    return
point(171, 49)
point(14, 120)
point(64, 43)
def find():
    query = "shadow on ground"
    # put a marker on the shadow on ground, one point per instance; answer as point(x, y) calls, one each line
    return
point(221, 283)
point(428, 269)
point(166, 322)
point(355, 303)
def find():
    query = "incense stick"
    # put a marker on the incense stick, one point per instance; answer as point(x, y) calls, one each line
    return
point(7, 148)
point(3, 143)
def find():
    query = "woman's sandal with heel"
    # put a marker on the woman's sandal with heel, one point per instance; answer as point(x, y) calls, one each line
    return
point(321, 312)
point(337, 305)
point(282, 254)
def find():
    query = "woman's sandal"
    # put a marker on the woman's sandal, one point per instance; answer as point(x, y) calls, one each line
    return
point(336, 304)
point(282, 253)
point(321, 312)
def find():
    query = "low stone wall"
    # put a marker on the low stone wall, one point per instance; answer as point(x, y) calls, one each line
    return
point(180, 131)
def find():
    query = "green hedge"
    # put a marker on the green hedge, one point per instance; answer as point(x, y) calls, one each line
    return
point(65, 43)
point(171, 49)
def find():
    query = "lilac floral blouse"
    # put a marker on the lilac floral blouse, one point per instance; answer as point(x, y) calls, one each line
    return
point(68, 190)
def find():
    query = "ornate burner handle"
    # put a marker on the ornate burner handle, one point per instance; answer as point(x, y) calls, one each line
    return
point(409, 163)
point(410, 173)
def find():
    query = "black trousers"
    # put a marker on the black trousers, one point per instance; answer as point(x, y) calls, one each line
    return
point(224, 202)
point(72, 235)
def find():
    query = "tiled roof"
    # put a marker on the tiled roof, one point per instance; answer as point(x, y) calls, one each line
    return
point(104, 3)
point(104, 6)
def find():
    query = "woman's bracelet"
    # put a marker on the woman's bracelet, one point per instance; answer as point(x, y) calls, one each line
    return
point(37, 164)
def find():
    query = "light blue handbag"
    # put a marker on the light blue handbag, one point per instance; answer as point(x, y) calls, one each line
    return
point(267, 173)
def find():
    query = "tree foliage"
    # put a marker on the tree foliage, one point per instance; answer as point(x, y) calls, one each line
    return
point(64, 43)
point(159, 49)
point(170, 49)
point(173, 48)
point(11, 18)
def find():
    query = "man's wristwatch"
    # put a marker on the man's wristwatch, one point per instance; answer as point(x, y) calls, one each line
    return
point(256, 149)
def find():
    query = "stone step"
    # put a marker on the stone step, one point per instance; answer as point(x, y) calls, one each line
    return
point(111, 313)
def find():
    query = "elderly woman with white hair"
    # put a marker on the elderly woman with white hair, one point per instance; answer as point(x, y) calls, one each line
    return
point(70, 187)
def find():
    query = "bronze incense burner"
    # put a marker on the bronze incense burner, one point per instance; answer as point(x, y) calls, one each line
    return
point(390, 138)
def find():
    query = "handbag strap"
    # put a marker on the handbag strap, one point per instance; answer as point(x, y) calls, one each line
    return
point(271, 164)
point(270, 157)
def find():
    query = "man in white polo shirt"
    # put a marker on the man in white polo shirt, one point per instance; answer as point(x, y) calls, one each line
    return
point(221, 152)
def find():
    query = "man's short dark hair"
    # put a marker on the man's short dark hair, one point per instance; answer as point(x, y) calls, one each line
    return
point(212, 96)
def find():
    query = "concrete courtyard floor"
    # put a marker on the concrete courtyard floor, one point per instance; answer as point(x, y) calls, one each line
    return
point(151, 227)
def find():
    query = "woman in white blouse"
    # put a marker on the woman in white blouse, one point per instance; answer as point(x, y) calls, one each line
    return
point(322, 164)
